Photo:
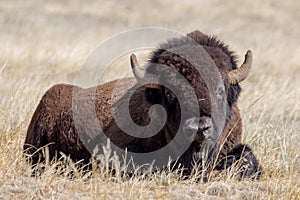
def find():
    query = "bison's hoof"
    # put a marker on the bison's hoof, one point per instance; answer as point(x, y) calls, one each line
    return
point(241, 163)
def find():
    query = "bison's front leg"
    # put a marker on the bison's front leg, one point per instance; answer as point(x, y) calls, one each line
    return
point(242, 162)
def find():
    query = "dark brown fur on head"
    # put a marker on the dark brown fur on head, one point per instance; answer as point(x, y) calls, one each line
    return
point(223, 58)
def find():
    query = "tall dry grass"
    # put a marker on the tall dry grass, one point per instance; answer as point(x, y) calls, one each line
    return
point(46, 42)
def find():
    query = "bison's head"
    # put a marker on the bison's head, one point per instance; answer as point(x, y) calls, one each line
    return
point(215, 91)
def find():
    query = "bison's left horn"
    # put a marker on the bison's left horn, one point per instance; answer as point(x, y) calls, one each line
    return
point(240, 74)
point(140, 74)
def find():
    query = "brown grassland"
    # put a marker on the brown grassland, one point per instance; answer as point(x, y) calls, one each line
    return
point(46, 42)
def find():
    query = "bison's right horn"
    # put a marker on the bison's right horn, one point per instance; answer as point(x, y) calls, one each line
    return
point(240, 74)
point(140, 74)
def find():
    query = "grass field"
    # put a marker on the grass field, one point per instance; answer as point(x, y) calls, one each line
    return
point(46, 42)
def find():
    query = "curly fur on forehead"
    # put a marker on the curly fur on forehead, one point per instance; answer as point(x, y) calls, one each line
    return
point(210, 43)
point(223, 58)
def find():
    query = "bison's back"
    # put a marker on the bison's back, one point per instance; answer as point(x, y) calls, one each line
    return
point(52, 113)
point(53, 123)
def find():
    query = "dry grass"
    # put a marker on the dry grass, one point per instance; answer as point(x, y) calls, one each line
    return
point(43, 43)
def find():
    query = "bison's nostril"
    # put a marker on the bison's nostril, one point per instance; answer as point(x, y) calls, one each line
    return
point(203, 128)
point(199, 126)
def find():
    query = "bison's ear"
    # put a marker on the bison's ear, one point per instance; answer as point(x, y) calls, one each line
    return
point(240, 74)
point(141, 75)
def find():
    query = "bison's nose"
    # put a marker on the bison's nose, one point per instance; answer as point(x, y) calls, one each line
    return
point(198, 128)
point(205, 124)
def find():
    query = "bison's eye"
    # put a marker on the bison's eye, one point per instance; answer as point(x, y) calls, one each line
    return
point(153, 95)
point(170, 97)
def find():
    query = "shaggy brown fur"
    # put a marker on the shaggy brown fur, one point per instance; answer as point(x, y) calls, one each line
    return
point(52, 123)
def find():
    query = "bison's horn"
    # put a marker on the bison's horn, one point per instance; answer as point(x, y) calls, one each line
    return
point(240, 74)
point(140, 74)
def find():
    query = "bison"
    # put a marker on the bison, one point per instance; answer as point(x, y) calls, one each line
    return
point(68, 117)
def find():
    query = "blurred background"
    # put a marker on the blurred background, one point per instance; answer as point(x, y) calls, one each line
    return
point(46, 42)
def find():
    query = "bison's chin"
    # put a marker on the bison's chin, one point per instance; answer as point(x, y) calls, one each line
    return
point(203, 135)
point(203, 150)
